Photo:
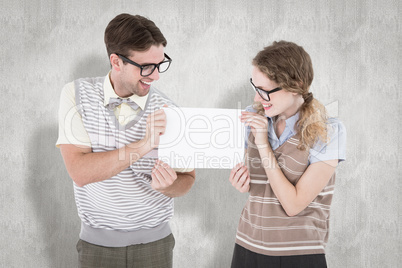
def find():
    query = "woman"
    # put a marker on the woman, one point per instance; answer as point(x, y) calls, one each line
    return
point(291, 154)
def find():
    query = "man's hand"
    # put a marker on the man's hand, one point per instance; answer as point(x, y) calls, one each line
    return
point(163, 176)
point(156, 126)
point(240, 178)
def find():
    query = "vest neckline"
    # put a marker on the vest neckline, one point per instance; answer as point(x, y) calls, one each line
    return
point(131, 123)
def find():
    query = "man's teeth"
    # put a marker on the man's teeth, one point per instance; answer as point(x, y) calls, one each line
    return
point(147, 83)
point(267, 105)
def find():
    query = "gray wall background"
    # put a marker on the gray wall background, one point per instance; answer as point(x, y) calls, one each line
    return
point(355, 47)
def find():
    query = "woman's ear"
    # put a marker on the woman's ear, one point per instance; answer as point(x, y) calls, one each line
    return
point(300, 84)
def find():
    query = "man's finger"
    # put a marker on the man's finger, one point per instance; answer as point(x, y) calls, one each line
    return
point(168, 169)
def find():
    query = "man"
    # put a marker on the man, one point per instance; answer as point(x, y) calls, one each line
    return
point(109, 130)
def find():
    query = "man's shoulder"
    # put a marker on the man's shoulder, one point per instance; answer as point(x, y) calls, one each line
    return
point(159, 98)
point(89, 85)
point(81, 84)
point(68, 91)
point(90, 80)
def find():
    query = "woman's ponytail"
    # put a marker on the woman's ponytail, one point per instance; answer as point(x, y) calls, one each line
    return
point(312, 122)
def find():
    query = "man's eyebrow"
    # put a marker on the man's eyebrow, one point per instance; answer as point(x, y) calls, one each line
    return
point(152, 62)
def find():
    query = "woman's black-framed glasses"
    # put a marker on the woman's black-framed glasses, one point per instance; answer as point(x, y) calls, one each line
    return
point(148, 69)
point(264, 94)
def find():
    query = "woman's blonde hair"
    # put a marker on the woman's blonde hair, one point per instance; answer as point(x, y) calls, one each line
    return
point(289, 65)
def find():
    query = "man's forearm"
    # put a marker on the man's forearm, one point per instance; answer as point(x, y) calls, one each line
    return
point(86, 167)
point(181, 185)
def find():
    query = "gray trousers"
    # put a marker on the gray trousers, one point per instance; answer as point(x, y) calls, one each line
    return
point(158, 254)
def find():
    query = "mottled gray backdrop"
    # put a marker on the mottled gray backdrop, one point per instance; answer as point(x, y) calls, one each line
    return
point(356, 50)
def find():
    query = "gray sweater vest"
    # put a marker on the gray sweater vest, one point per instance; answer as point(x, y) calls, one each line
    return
point(124, 209)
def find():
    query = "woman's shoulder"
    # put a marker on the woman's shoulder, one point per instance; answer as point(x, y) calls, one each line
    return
point(335, 129)
point(335, 124)
point(334, 147)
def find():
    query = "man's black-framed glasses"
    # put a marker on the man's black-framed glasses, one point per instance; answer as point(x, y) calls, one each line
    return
point(264, 94)
point(148, 69)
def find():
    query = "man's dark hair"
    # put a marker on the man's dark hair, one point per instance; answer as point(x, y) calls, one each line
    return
point(127, 32)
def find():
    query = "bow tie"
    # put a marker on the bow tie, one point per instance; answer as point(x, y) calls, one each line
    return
point(114, 102)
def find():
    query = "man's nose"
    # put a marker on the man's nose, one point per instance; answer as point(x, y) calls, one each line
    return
point(154, 75)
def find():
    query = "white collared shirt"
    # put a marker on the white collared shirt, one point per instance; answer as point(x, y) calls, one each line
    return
point(71, 127)
point(124, 113)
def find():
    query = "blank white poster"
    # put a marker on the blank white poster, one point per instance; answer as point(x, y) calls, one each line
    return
point(202, 138)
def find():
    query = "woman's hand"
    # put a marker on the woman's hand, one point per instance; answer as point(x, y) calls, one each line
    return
point(259, 126)
point(240, 178)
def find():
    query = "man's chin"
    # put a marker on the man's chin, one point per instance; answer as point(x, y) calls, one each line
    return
point(142, 93)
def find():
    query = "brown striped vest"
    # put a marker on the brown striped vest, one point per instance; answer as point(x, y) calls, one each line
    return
point(264, 226)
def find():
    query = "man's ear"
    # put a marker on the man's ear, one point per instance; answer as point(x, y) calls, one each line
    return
point(115, 62)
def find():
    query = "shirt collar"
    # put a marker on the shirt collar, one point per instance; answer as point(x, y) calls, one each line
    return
point(291, 122)
point(109, 92)
point(289, 129)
